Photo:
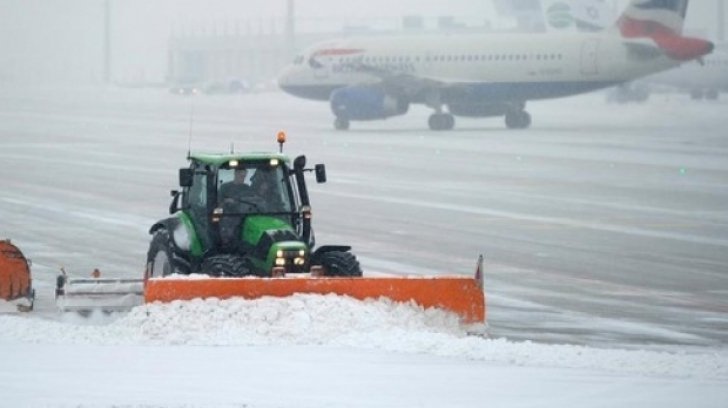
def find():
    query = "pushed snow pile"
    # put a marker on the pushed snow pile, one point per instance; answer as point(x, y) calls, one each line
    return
point(297, 320)
point(343, 322)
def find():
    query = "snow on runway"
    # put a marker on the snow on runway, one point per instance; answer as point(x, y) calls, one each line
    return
point(326, 351)
point(604, 229)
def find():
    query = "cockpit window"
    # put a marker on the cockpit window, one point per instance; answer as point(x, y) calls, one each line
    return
point(314, 64)
point(298, 60)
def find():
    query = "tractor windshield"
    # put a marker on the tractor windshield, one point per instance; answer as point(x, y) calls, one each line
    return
point(262, 186)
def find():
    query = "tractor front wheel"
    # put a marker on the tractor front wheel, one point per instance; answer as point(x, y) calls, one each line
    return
point(160, 256)
point(228, 266)
point(337, 263)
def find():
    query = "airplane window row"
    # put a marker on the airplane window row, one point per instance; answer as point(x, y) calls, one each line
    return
point(716, 62)
point(450, 58)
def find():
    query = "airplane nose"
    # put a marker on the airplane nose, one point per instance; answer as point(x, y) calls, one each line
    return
point(284, 78)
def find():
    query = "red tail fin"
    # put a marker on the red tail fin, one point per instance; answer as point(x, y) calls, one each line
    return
point(662, 21)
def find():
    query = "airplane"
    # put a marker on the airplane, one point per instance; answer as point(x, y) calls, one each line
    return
point(488, 75)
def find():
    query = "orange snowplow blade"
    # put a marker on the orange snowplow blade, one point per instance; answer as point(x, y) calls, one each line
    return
point(460, 295)
point(14, 272)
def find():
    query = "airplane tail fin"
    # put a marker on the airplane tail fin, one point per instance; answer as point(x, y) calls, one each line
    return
point(662, 21)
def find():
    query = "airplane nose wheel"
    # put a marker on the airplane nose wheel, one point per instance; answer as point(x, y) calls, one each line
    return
point(518, 120)
point(341, 123)
point(441, 121)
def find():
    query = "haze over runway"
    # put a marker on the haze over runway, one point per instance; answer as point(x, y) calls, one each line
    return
point(602, 225)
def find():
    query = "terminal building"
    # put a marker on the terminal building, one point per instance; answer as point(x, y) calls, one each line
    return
point(253, 55)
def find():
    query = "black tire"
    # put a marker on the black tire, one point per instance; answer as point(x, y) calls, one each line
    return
point(341, 123)
point(525, 120)
point(337, 263)
point(512, 120)
point(441, 121)
point(518, 120)
point(161, 258)
point(228, 266)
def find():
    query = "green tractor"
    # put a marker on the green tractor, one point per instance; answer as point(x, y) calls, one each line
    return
point(241, 215)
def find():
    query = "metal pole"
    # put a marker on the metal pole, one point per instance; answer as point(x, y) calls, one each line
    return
point(107, 42)
point(721, 21)
point(290, 29)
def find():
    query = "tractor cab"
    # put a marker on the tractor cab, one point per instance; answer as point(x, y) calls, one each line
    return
point(225, 193)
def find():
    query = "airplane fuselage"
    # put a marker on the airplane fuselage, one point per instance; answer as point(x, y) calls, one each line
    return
point(484, 68)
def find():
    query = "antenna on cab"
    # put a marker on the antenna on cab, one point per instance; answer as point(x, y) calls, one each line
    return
point(189, 137)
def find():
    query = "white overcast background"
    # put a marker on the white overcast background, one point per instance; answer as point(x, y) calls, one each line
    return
point(45, 41)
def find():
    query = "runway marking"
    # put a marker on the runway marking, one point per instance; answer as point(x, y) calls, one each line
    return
point(534, 218)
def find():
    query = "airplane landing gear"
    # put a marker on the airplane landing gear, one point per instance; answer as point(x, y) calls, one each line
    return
point(441, 121)
point(518, 119)
point(341, 123)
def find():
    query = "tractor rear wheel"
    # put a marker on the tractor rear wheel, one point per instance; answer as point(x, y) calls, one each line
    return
point(338, 263)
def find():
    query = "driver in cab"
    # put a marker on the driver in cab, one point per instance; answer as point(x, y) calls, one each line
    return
point(236, 190)
point(233, 197)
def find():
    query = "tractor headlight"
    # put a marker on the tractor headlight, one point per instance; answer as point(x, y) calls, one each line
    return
point(280, 261)
point(279, 253)
point(299, 261)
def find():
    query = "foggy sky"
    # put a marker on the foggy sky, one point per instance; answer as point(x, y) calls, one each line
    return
point(43, 40)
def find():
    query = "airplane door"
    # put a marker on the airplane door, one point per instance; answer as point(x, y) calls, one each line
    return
point(427, 63)
point(590, 57)
point(321, 72)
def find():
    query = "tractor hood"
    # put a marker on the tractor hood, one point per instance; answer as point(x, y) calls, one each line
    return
point(268, 236)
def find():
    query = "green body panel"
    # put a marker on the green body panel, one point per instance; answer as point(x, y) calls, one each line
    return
point(254, 228)
point(256, 225)
point(196, 249)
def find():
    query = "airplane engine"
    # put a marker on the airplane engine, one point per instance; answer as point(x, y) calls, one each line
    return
point(366, 103)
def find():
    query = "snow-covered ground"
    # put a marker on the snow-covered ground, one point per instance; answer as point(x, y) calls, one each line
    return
point(604, 229)
point(327, 351)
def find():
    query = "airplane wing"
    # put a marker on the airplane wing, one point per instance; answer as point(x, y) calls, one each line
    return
point(414, 88)
point(394, 79)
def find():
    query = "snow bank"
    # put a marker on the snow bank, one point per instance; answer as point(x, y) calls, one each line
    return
point(340, 322)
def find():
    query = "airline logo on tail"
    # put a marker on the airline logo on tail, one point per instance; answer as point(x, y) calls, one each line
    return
point(662, 21)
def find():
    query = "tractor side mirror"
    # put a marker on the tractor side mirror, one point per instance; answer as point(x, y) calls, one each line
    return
point(320, 170)
point(185, 177)
point(300, 162)
point(174, 206)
